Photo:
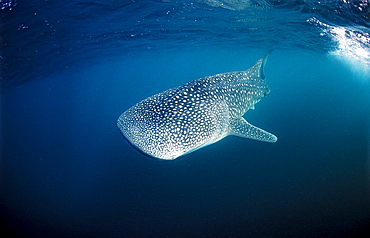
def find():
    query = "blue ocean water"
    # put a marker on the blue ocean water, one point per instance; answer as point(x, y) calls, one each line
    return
point(70, 68)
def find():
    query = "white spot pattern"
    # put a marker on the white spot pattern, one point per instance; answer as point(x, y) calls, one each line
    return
point(196, 114)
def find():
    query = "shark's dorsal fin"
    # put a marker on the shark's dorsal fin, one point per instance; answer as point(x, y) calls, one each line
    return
point(240, 127)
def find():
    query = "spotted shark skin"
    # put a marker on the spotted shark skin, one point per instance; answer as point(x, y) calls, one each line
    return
point(201, 112)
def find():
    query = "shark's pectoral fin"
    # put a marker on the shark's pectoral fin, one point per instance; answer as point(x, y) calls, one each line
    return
point(240, 127)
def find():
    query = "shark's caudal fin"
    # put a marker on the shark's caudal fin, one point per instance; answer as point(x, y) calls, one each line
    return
point(240, 127)
point(258, 68)
point(263, 63)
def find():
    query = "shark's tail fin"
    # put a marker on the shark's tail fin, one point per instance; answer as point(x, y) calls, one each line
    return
point(264, 60)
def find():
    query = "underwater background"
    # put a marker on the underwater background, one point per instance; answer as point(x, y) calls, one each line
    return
point(70, 68)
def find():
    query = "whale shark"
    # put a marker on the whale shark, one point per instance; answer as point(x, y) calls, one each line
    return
point(199, 113)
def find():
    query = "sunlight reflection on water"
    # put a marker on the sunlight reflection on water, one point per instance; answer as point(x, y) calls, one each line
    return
point(353, 47)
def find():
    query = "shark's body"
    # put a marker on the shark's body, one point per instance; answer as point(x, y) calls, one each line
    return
point(199, 113)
